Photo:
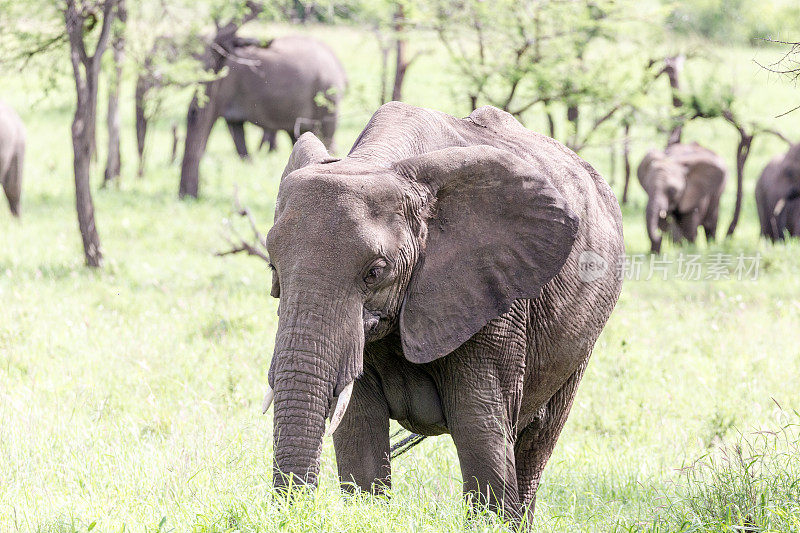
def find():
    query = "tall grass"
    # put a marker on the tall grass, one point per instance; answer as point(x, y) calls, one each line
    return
point(751, 483)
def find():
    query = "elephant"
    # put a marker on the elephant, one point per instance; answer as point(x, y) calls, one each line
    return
point(777, 194)
point(12, 156)
point(684, 184)
point(294, 84)
point(450, 274)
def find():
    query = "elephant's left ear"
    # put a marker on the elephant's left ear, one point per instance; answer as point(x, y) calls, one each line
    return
point(498, 230)
point(308, 150)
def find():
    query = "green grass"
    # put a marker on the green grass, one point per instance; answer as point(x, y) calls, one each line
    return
point(129, 397)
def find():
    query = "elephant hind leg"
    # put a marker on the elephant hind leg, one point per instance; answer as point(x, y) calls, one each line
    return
point(237, 132)
point(12, 184)
point(537, 440)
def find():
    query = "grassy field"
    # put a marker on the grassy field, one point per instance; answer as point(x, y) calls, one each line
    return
point(130, 397)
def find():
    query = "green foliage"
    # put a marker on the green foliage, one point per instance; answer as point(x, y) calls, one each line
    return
point(524, 55)
point(735, 20)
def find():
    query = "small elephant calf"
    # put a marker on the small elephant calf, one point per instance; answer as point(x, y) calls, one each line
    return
point(684, 184)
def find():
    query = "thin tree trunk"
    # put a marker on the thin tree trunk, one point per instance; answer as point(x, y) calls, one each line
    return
point(384, 68)
point(673, 68)
point(742, 153)
point(144, 83)
point(401, 62)
point(174, 154)
point(551, 123)
point(612, 160)
point(82, 150)
point(113, 162)
point(626, 153)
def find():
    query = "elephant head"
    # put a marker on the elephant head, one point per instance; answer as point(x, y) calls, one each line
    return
point(430, 247)
point(664, 181)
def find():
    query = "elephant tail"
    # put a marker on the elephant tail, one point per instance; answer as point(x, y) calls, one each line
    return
point(403, 445)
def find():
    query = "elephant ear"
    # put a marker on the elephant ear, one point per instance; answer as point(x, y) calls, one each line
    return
point(704, 176)
point(308, 150)
point(497, 230)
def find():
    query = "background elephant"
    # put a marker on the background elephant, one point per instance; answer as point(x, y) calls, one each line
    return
point(12, 155)
point(778, 196)
point(684, 184)
point(293, 84)
point(453, 275)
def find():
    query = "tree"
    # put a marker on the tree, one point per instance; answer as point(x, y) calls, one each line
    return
point(114, 163)
point(557, 56)
point(80, 19)
point(718, 100)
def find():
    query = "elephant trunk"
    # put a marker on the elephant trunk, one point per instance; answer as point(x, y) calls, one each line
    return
point(656, 211)
point(318, 353)
point(302, 401)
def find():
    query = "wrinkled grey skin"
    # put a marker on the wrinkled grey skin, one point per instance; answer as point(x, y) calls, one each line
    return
point(684, 184)
point(294, 84)
point(12, 155)
point(777, 193)
point(439, 266)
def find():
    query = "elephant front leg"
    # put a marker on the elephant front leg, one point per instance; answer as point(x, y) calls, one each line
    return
point(362, 439)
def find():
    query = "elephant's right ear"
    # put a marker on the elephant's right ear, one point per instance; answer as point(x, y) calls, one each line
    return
point(308, 150)
point(497, 230)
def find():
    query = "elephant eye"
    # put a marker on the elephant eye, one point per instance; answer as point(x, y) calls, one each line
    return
point(376, 272)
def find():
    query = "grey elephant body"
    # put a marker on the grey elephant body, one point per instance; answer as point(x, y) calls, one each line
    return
point(490, 315)
point(778, 196)
point(684, 184)
point(294, 84)
point(12, 155)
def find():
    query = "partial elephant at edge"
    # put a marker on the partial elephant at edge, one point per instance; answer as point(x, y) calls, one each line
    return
point(778, 196)
point(12, 155)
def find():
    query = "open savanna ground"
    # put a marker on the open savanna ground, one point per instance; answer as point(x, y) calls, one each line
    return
point(130, 396)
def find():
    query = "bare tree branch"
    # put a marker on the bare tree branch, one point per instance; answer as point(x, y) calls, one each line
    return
point(257, 247)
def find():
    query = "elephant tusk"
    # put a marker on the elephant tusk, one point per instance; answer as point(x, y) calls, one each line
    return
point(341, 406)
point(779, 207)
point(268, 397)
